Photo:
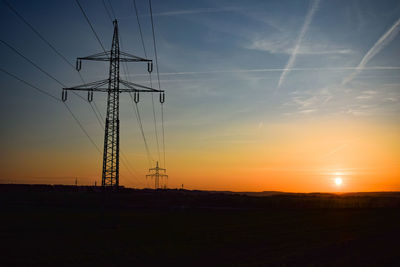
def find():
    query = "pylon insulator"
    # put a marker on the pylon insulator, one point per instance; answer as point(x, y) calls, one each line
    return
point(78, 64)
point(136, 97)
point(162, 98)
point(64, 95)
point(90, 96)
point(150, 66)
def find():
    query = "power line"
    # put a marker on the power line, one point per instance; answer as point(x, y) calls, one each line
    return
point(158, 77)
point(136, 111)
point(53, 48)
point(94, 106)
point(90, 24)
point(155, 126)
point(36, 66)
point(41, 69)
point(57, 99)
point(151, 83)
point(108, 12)
point(82, 128)
point(52, 77)
point(33, 63)
point(140, 29)
point(29, 84)
point(139, 119)
point(112, 10)
point(37, 32)
point(124, 162)
point(163, 132)
point(154, 44)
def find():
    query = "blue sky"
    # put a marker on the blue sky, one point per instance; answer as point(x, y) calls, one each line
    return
point(229, 68)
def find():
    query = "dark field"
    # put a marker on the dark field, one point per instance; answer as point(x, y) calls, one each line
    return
point(58, 226)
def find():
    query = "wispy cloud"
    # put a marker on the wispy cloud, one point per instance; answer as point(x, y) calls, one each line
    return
point(366, 95)
point(281, 44)
point(309, 101)
point(304, 29)
point(375, 49)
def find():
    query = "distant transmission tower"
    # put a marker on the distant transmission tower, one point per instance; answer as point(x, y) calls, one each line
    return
point(110, 173)
point(157, 175)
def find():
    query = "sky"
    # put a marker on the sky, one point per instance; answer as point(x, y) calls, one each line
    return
point(260, 95)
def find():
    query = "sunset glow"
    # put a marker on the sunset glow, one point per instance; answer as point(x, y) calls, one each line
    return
point(259, 96)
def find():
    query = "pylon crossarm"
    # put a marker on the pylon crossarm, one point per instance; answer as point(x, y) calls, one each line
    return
point(132, 85)
point(132, 90)
point(105, 90)
point(157, 168)
point(92, 86)
point(132, 58)
point(100, 86)
point(103, 56)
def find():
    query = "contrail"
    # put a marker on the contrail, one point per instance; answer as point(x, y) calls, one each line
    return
point(187, 12)
point(375, 49)
point(303, 31)
point(266, 70)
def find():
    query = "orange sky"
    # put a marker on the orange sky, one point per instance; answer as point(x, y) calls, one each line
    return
point(299, 157)
point(302, 156)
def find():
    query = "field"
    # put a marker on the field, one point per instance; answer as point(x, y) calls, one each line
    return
point(65, 225)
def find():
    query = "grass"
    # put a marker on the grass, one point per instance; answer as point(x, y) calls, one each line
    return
point(56, 228)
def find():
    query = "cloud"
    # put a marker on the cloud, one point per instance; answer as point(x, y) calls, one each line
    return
point(364, 97)
point(375, 49)
point(307, 111)
point(367, 95)
point(370, 92)
point(310, 101)
point(282, 45)
point(303, 31)
point(360, 112)
point(390, 99)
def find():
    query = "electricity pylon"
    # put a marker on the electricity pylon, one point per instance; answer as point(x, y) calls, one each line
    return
point(110, 172)
point(157, 175)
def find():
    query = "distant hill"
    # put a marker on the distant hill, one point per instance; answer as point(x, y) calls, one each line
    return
point(49, 195)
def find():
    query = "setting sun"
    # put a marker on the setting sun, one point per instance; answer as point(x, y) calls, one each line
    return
point(338, 181)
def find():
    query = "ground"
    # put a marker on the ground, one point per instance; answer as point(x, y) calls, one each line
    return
point(64, 226)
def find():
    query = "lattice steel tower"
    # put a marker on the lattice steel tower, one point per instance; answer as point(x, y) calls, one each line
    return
point(157, 175)
point(110, 172)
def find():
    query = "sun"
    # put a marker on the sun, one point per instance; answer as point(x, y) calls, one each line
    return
point(338, 181)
